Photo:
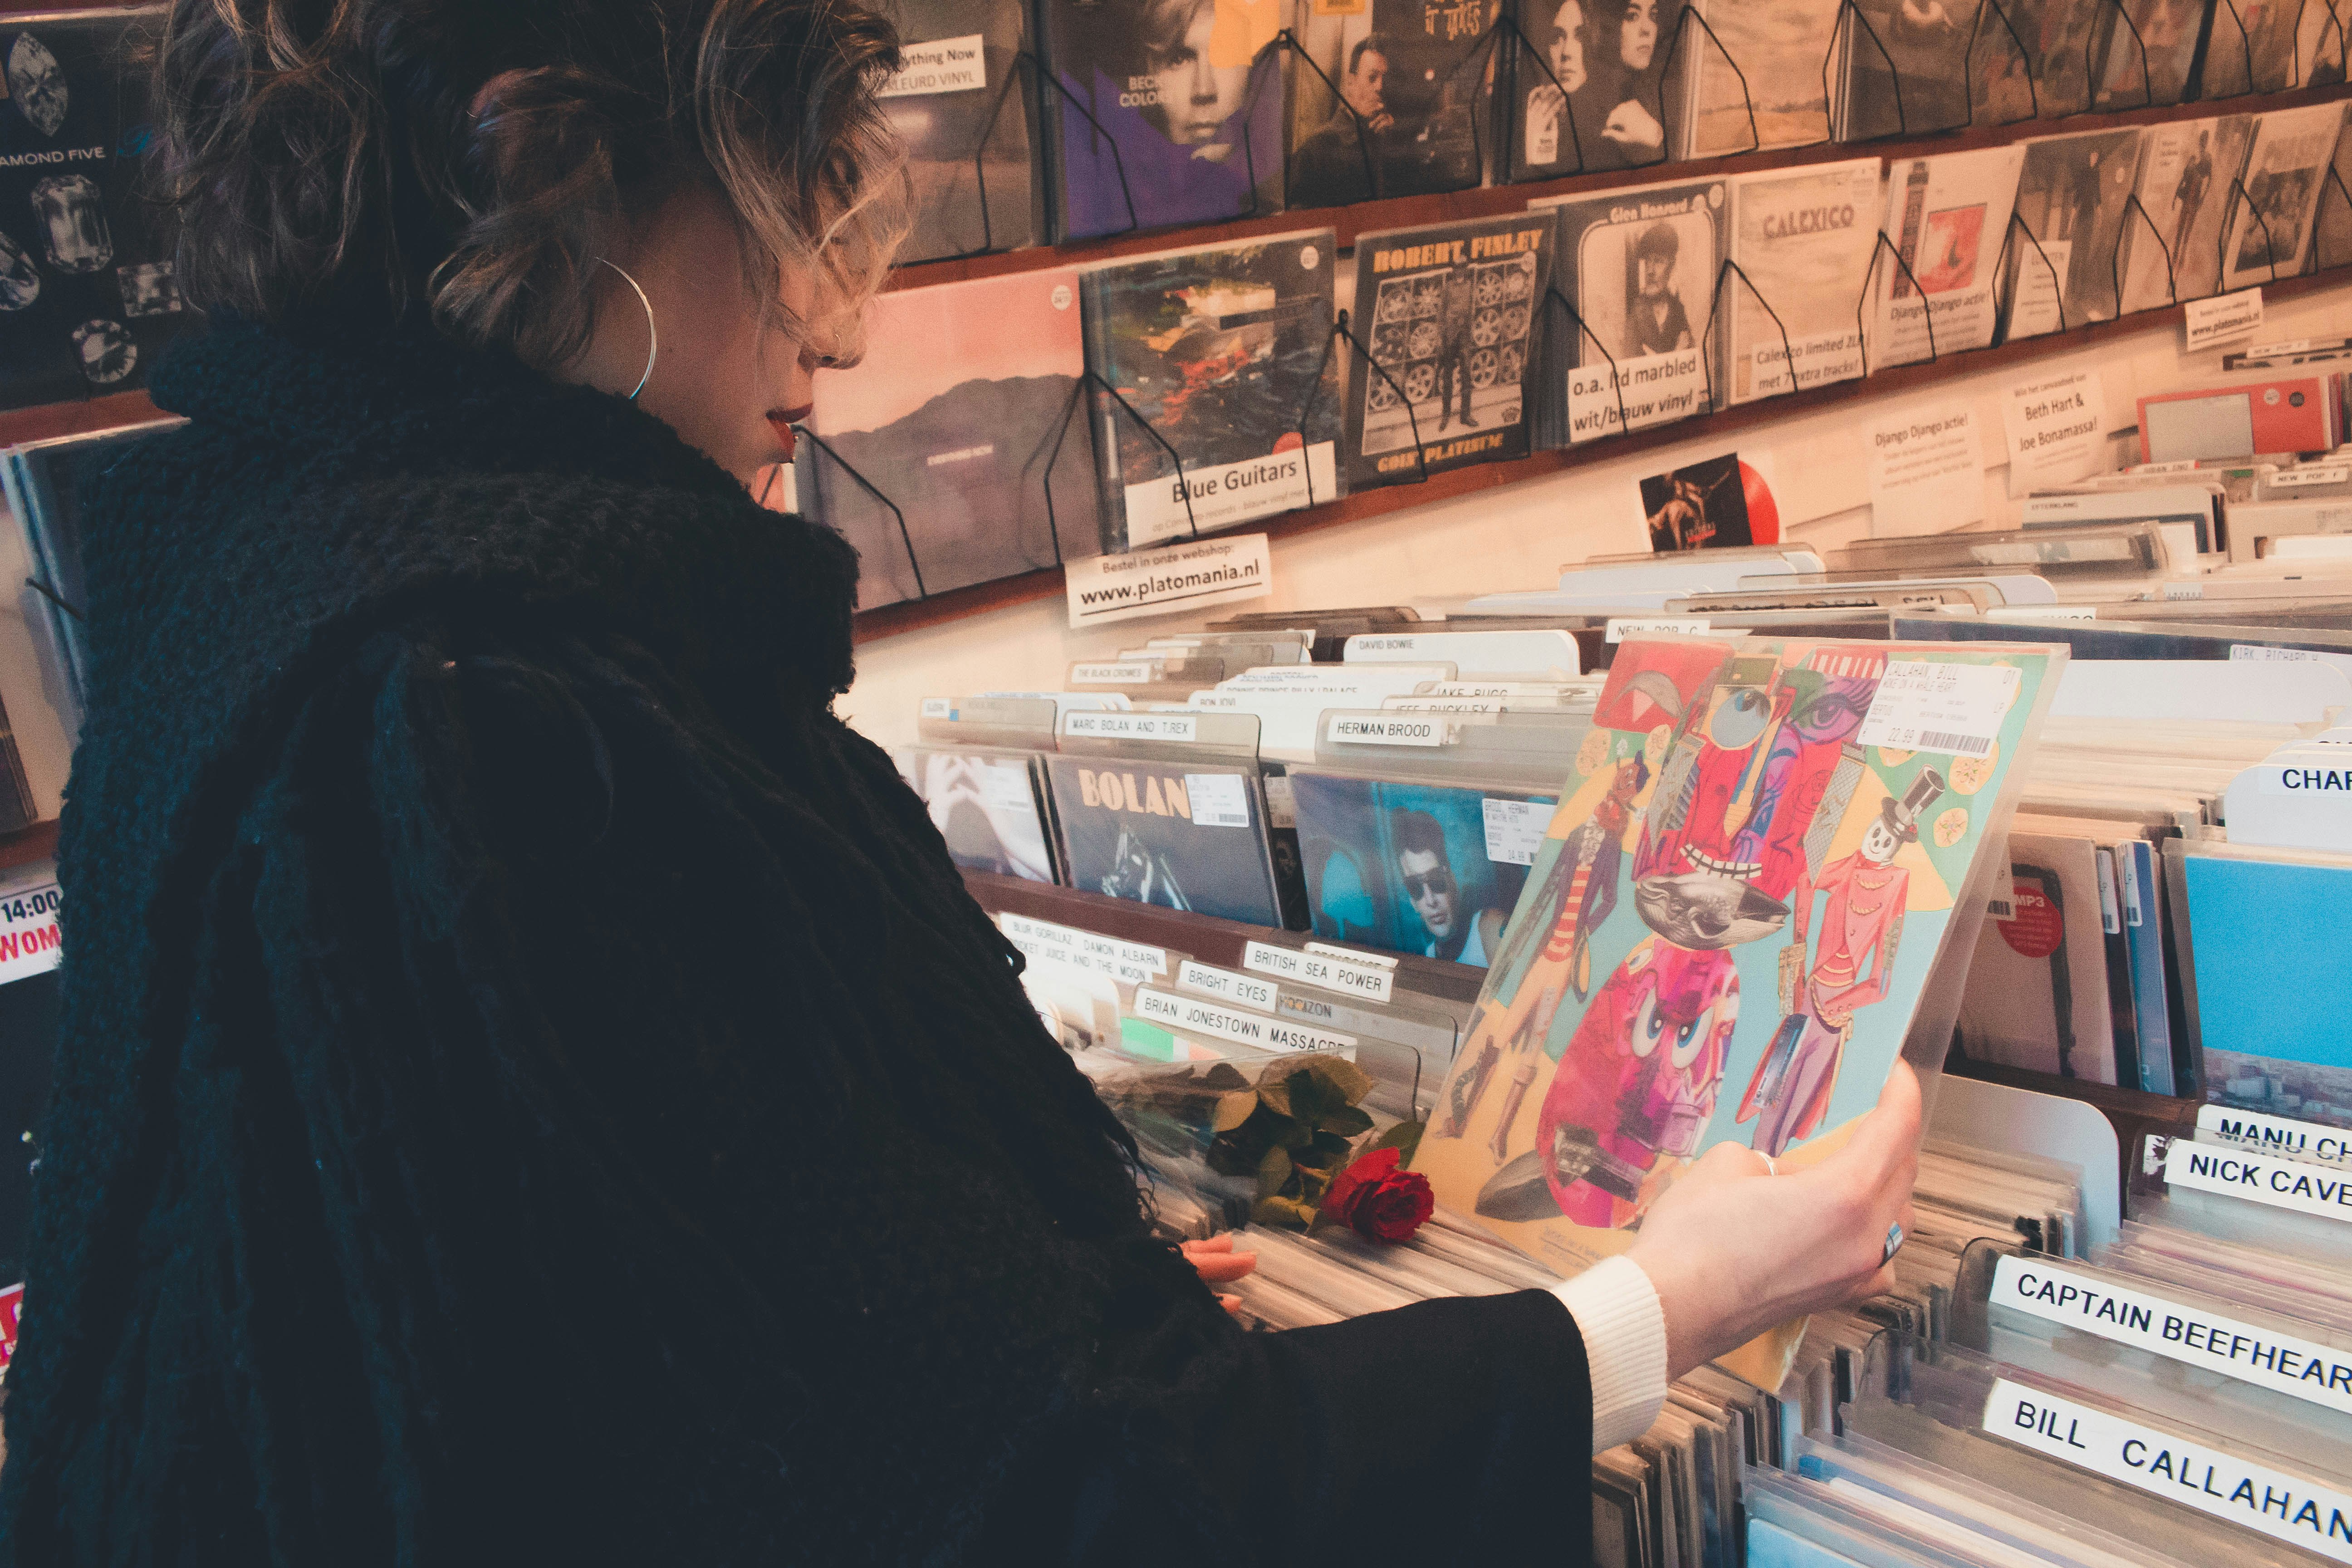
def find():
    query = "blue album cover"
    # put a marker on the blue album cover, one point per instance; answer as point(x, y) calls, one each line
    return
point(2253, 927)
point(1419, 868)
point(1184, 835)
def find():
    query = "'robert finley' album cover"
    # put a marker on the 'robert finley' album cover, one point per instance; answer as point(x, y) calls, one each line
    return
point(1180, 835)
point(1589, 90)
point(1786, 877)
point(1174, 112)
point(1901, 67)
point(1945, 216)
point(965, 108)
point(1447, 311)
point(1425, 869)
point(1803, 238)
point(1752, 78)
point(2269, 231)
point(2146, 49)
point(2071, 199)
point(951, 414)
point(87, 296)
point(1638, 268)
point(1413, 77)
point(1225, 349)
point(2264, 952)
point(2249, 48)
point(2186, 172)
point(986, 806)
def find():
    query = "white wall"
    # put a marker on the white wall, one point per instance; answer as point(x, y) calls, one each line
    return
point(1519, 535)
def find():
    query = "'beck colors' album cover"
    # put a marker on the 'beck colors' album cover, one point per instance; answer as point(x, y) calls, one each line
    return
point(965, 107)
point(1225, 350)
point(1447, 313)
point(1638, 268)
point(951, 414)
point(1184, 835)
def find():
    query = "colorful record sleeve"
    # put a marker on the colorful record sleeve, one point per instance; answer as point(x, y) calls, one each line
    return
point(1180, 835)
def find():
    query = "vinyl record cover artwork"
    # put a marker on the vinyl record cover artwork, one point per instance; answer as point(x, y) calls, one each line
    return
point(963, 107)
point(2145, 63)
point(1947, 217)
point(1183, 836)
point(1414, 77)
point(951, 414)
point(2271, 985)
point(1700, 506)
point(1447, 311)
point(2037, 995)
point(1784, 882)
point(986, 807)
point(2186, 173)
point(87, 299)
point(1420, 868)
point(1222, 349)
point(1903, 66)
point(1639, 268)
point(2250, 48)
point(2269, 231)
point(2051, 79)
point(1758, 81)
point(1804, 240)
point(1186, 106)
point(1595, 96)
point(2071, 197)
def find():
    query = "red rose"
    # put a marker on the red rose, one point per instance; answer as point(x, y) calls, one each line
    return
point(1379, 1201)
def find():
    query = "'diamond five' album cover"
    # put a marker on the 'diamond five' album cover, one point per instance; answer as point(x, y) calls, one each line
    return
point(1793, 833)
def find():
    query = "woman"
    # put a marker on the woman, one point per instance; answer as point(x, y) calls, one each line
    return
point(1617, 112)
point(534, 1087)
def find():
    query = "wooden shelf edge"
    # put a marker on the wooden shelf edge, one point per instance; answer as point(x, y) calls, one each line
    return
point(38, 842)
point(916, 614)
point(48, 421)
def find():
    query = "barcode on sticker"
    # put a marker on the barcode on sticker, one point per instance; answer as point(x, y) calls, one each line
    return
point(2002, 908)
point(1946, 740)
point(1218, 800)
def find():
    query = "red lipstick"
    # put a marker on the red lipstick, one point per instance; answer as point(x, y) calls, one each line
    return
point(781, 420)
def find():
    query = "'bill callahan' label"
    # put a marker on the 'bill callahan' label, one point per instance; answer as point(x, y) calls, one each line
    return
point(2268, 1134)
point(1199, 1015)
point(1327, 972)
point(2259, 1178)
point(2283, 1364)
point(1228, 493)
point(2254, 1497)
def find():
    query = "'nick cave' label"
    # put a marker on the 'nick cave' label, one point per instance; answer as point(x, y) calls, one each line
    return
point(1327, 972)
point(2259, 1178)
point(1228, 493)
point(941, 65)
point(28, 931)
point(2276, 1134)
point(2254, 1497)
point(2283, 1364)
point(1379, 730)
point(1198, 1015)
point(1246, 989)
point(1130, 961)
point(1953, 708)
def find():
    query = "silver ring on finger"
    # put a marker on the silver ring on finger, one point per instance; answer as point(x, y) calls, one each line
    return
point(1769, 1168)
point(1893, 1244)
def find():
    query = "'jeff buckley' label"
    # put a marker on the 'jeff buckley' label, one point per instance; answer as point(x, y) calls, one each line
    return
point(2278, 1135)
point(2283, 1364)
point(1086, 949)
point(2259, 1178)
point(1327, 972)
point(2255, 1497)
point(1955, 708)
point(1200, 1016)
point(1246, 989)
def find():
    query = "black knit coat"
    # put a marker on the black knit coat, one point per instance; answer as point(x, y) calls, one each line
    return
point(534, 1089)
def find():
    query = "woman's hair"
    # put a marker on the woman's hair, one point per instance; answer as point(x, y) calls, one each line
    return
point(351, 158)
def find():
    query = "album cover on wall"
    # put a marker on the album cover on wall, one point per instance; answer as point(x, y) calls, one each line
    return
point(2038, 993)
point(1410, 867)
point(1448, 313)
point(1638, 268)
point(953, 413)
point(1174, 113)
point(1751, 77)
point(2071, 199)
point(1589, 91)
point(965, 108)
point(2145, 50)
point(2186, 172)
point(1901, 67)
point(2269, 231)
point(1184, 835)
point(1803, 238)
point(1947, 217)
point(1785, 881)
point(2049, 77)
point(2331, 224)
point(2249, 48)
point(986, 806)
point(88, 297)
point(1700, 506)
point(1414, 82)
point(2320, 44)
point(1223, 350)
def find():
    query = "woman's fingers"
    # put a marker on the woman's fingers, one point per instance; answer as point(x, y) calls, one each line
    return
point(1224, 1243)
point(1217, 1268)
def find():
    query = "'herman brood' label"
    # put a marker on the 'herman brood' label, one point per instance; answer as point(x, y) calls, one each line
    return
point(2284, 1363)
point(2259, 1178)
point(1374, 730)
point(2278, 1135)
point(1327, 972)
point(2285, 1507)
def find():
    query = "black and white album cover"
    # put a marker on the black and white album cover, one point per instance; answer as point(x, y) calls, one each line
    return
point(986, 806)
point(1637, 267)
point(965, 109)
point(1414, 82)
point(1184, 835)
point(1447, 311)
point(1225, 350)
point(1589, 89)
point(2070, 202)
point(2269, 231)
point(88, 297)
point(2187, 175)
point(2050, 76)
point(1901, 67)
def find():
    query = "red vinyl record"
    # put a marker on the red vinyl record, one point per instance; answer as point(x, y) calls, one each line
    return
point(1763, 511)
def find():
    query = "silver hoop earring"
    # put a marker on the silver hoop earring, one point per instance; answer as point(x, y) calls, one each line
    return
point(653, 338)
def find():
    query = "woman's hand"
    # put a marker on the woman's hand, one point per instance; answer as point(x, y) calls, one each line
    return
point(1630, 125)
point(1216, 1262)
point(1732, 1251)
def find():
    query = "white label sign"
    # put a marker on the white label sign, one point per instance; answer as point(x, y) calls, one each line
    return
point(1188, 576)
point(941, 65)
point(1503, 688)
point(1349, 977)
point(2053, 428)
point(1136, 674)
point(1218, 800)
point(1375, 729)
point(1132, 726)
point(938, 706)
point(1195, 1014)
point(1246, 989)
point(2282, 1507)
point(1954, 709)
point(1515, 829)
point(2296, 478)
point(2259, 1178)
point(28, 931)
point(1129, 960)
point(1227, 494)
point(2223, 318)
point(2276, 1134)
point(1623, 627)
point(2283, 1364)
point(1926, 471)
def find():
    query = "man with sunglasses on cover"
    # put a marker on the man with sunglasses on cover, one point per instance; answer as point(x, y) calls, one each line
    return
point(1426, 872)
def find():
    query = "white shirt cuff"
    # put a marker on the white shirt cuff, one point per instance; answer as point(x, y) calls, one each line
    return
point(1624, 1330)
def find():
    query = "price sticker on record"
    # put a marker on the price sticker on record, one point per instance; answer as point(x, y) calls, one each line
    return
point(28, 931)
point(1952, 709)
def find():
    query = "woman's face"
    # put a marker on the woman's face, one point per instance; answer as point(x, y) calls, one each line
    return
point(1637, 34)
point(1195, 97)
point(1566, 56)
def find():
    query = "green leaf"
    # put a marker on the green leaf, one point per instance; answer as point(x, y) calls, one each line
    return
point(1330, 1149)
point(1273, 1172)
point(1348, 1120)
point(1287, 1212)
point(1233, 1108)
point(1405, 1138)
point(1273, 1093)
point(1345, 1080)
